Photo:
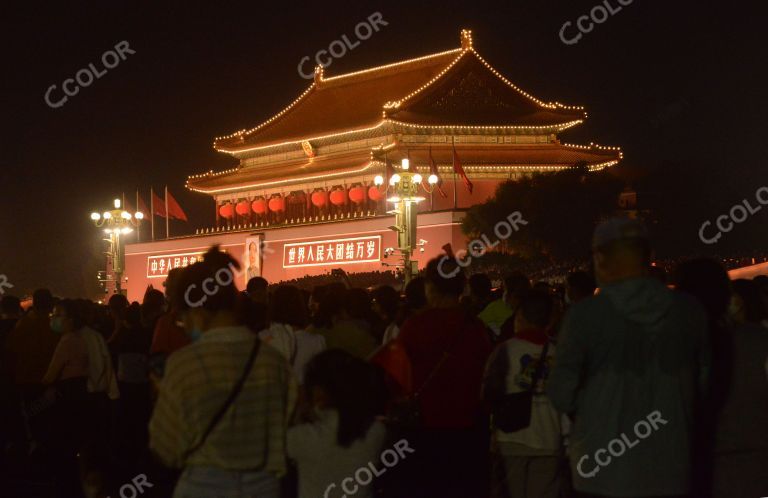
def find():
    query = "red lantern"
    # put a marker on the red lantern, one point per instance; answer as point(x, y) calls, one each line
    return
point(277, 204)
point(374, 193)
point(319, 198)
point(226, 210)
point(357, 195)
point(243, 208)
point(338, 197)
point(259, 206)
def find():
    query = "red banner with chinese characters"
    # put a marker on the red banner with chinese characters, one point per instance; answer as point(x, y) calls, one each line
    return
point(159, 266)
point(332, 252)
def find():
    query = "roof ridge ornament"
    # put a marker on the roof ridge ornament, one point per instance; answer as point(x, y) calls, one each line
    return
point(319, 74)
point(466, 39)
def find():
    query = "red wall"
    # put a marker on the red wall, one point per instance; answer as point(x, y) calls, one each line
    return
point(436, 228)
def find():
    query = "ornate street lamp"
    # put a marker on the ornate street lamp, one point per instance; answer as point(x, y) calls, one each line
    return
point(405, 196)
point(117, 222)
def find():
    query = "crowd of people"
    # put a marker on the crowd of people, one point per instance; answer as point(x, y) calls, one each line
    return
point(630, 381)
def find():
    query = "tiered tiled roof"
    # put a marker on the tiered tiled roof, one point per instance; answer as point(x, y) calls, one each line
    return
point(449, 93)
point(454, 88)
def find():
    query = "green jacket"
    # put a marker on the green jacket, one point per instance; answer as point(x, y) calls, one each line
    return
point(631, 362)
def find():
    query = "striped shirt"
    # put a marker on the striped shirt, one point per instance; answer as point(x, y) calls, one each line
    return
point(198, 379)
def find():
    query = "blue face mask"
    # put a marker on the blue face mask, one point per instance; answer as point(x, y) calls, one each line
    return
point(57, 324)
point(195, 335)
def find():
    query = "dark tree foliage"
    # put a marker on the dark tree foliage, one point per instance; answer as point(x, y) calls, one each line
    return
point(561, 210)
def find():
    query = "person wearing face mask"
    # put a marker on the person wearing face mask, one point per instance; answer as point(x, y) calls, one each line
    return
point(634, 350)
point(225, 401)
point(68, 375)
point(741, 432)
point(69, 364)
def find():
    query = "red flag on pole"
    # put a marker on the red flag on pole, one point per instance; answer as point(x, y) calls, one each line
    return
point(460, 171)
point(174, 210)
point(158, 206)
point(433, 171)
point(142, 207)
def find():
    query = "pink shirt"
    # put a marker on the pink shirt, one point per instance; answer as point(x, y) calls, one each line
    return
point(70, 359)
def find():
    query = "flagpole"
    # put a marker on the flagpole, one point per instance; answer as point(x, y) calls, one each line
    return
point(138, 222)
point(386, 181)
point(167, 216)
point(455, 190)
point(432, 199)
point(152, 209)
point(432, 192)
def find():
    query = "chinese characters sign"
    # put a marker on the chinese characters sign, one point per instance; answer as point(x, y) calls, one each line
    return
point(159, 266)
point(332, 252)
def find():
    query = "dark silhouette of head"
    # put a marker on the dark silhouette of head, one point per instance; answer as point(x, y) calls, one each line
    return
point(335, 379)
point(579, 285)
point(444, 281)
point(707, 281)
point(10, 307)
point(479, 287)
point(257, 289)
point(386, 302)
point(287, 306)
point(535, 310)
point(42, 301)
point(748, 305)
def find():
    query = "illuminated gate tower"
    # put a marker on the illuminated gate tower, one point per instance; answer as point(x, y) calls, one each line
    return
point(304, 185)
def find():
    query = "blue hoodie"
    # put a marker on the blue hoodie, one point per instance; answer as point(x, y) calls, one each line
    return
point(630, 363)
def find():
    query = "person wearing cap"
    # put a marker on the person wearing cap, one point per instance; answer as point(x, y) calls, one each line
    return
point(632, 361)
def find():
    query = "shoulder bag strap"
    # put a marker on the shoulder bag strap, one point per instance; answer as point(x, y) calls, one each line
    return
point(539, 367)
point(230, 399)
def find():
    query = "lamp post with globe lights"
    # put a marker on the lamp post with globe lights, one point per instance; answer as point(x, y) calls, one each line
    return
point(116, 222)
point(405, 196)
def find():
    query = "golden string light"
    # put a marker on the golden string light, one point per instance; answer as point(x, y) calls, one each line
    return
point(467, 47)
point(558, 127)
point(390, 125)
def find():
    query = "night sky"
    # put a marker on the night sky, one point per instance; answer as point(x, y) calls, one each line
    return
point(677, 84)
